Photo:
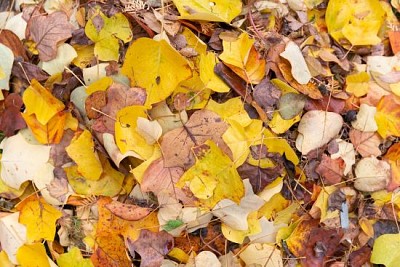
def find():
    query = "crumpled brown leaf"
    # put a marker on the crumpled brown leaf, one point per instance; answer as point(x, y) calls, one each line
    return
point(48, 31)
point(11, 119)
point(152, 247)
point(331, 169)
point(203, 125)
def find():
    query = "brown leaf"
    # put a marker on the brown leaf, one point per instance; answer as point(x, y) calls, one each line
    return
point(326, 103)
point(366, 143)
point(95, 101)
point(28, 71)
point(11, 119)
point(9, 39)
point(158, 178)
point(118, 97)
point(259, 177)
point(58, 187)
point(152, 247)
point(266, 95)
point(127, 212)
point(48, 31)
point(203, 125)
point(331, 169)
point(360, 256)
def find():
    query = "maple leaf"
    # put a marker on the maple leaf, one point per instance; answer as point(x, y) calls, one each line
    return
point(48, 31)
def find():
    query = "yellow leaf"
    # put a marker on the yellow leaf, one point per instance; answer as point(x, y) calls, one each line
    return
point(127, 136)
point(196, 93)
point(347, 19)
point(73, 258)
point(138, 172)
point(208, 76)
point(276, 204)
point(99, 85)
point(385, 250)
point(279, 145)
point(85, 55)
point(39, 101)
point(109, 183)
point(387, 116)
point(155, 66)
point(322, 201)
point(82, 151)
point(105, 32)
point(238, 236)
point(39, 217)
point(217, 10)
point(216, 172)
point(194, 42)
point(358, 84)
point(279, 126)
point(4, 261)
point(32, 255)
point(240, 138)
point(241, 57)
point(50, 133)
point(233, 109)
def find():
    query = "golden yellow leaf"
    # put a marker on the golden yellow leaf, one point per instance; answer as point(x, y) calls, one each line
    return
point(358, 84)
point(50, 133)
point(241, 57)
point(217, 10)
point(279, 126)
point(105, 32)
point(109, 183)
point(233, 109)
point(279, 145)
point(387, 116)
point(73, 258)
point(214, 176)
point(32, 255)
point(39, 101)
point(127, 136)
point(4, 261)
point(194, 41)
point(347, 19)
point(99, 85)
point(155, 66)
point(82, 151)
point(276, 204)
point(196, 95)
point(85, 55)
point(39, 217)
point(208, 76)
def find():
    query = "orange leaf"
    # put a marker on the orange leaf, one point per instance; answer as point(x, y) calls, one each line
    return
point(387, 116)
point(393, 156)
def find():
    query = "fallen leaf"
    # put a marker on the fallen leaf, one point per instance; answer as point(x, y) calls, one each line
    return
point(290, 105)
point(21, 161)
point(36, 251)
point(261, 254)
point(5, 66)
point(207, 74)
point(365, 120)
point(152, 247)
point(316, 129)
point(205, 259)
point(73, 258)
point(81, 150)
point(12, 235)
point(331, 169)
point(384, 250)
point(345, 20)
point(392, 156)
point(366, 143)
point(65, 54)
point(47, 31)
point(39, 218)
point(218, 10)
point(210, 185)
point(203, 125)
point(150, 130)
point(388, 116)
point(231, 110)
point(371, 174)
point(148, 64)
point(106, 33)
point(358, 84)
point(127, 212)
point(11, 119)
point(39, 101)
point(300, 71)
point(241, 56)
point(345, 152)
point(11, 40)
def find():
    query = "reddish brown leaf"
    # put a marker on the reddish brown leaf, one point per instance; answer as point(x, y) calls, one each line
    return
point(152, 247)
point(9, 39)
point(326, 103)
point(360, 256)
point(28, 71)
point(95, 101)
point(128, 212)
point(331, 169)
point(11, 119)
point(48, 31)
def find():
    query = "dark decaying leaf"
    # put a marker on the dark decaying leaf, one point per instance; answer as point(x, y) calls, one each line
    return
point(152, 247)
point(9, 39)
point(11, 119)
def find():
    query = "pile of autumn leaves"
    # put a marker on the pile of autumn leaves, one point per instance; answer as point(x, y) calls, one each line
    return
point(162, 158)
